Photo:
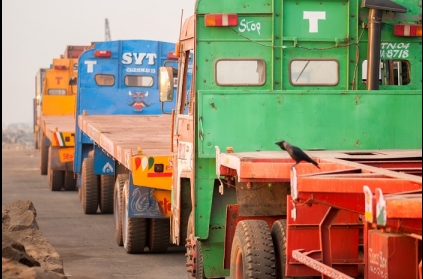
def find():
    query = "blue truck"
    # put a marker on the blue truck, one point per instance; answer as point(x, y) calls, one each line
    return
point(122, 156)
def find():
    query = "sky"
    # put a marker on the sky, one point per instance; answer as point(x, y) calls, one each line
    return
point(36, 31)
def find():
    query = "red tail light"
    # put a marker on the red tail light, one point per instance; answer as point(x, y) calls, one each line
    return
point(408, 30)
point(60, 67)
point(221, 20)
point(102, 53)
point(171, 55)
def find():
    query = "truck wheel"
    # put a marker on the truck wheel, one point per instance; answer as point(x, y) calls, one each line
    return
point(55, 178)
point(70, 181)
point(79, 186)
point(199, 266)
point(36, 141)
point(134, 230)
point(159, 235)
point(252, 254)
point(107, 183)
point(117, 206)
point(278, 233)
point(89, 187)
point(44, 156)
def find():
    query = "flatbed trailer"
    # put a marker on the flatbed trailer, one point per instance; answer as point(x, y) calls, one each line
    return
point(60, 131)
point(110, 132)
point(394, 224)
point(326, 206)
point(52, 124)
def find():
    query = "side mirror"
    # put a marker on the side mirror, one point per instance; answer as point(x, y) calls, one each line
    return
point(166, 84)
point(73, 81)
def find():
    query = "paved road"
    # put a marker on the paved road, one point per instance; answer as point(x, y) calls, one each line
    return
point(85, 242)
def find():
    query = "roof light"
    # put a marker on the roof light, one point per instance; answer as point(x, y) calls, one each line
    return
point(408, 30)
point(60, 67)
point(102, 53)
point(221, 20)
point(171, 55)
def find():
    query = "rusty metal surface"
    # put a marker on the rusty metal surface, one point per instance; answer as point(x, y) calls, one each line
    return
point(275, 165)
point(308, 231)
point(398, 212)
point(65, 123)
point(328, 271)
point(272, 201)
point(392, 256)
point(123, 136)
point(404, 205)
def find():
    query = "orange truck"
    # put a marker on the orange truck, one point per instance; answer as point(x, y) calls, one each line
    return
point(54, 123)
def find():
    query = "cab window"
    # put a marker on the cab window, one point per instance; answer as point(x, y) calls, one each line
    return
point(143, 81)
point(391, 72)
point(248, 72)
point(56, 91)
point(308, 72)
point(104, 80)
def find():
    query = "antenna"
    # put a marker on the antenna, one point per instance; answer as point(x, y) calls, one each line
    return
point(180, 24)
point(107, 31)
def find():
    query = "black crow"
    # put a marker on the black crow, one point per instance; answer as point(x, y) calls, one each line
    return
point(296, 153)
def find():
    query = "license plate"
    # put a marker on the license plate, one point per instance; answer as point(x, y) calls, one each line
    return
point(66, 154)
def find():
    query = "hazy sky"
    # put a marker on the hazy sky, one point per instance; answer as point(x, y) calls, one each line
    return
point(36, 31)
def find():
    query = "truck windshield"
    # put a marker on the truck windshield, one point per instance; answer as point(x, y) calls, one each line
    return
point(391, 72)
point(56, 91)
point(240, 72)
point(144, 81)
point(314, 72)
point(105, 80)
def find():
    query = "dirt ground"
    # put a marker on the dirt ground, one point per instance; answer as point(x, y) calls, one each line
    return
point(85, 242)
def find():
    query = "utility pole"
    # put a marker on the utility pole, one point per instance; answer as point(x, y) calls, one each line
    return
point(107, 30)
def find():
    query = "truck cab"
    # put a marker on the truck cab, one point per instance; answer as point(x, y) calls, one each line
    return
point(285, 70)
point(122, 157)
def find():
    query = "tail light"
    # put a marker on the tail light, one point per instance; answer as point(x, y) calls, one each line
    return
point(60, 67)
point(408, 30)
point(221, 20)
point(102, 53)
point(171, 55)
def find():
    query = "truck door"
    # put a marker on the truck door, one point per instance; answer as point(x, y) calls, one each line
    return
point(97, 74)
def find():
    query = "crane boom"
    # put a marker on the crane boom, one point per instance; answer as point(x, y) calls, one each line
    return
point(107, 31)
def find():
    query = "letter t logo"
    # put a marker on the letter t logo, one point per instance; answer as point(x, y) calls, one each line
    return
point(313, 18)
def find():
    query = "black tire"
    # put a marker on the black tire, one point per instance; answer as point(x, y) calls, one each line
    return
point(36, 140)
point(70, 181)
point(44, 156)
point(159, 235)
point(117, 207)
point(107, 183)
point(252, 254)
point(134, 230)
point(55, 178)
point(89, 187)
point(79, 178)
point(278, 233)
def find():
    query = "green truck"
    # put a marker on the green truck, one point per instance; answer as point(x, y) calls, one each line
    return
point(340, 79)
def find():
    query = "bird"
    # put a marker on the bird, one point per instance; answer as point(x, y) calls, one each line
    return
point(296, 153)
